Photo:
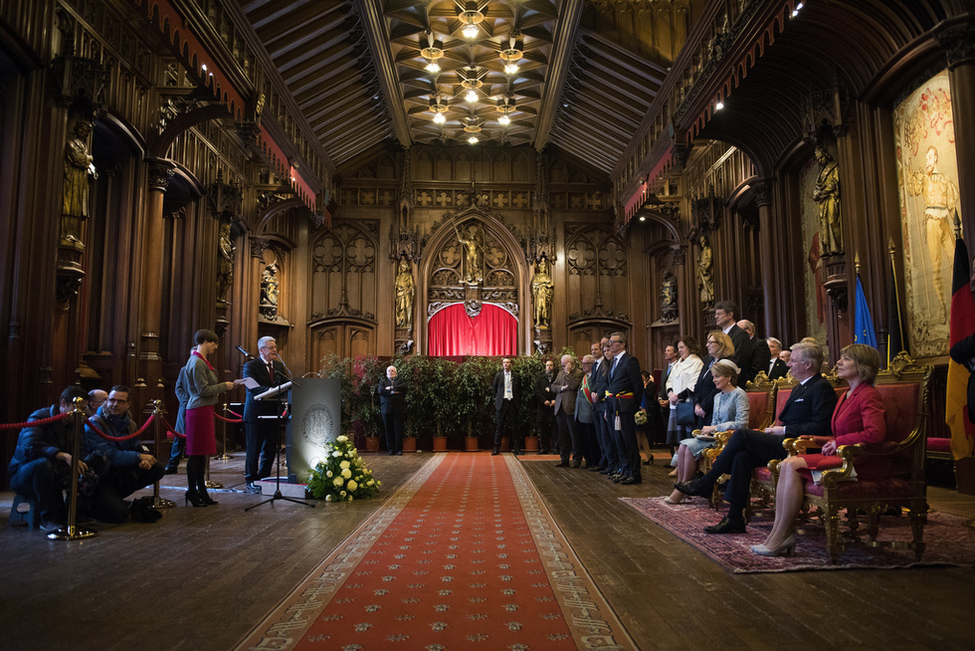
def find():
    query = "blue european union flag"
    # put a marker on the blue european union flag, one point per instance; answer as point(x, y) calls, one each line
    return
point(863, 330)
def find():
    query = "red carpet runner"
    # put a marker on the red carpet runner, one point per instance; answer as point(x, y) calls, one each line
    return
point(464, 556)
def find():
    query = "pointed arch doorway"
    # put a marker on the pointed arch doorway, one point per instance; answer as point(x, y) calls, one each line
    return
point(474, 287)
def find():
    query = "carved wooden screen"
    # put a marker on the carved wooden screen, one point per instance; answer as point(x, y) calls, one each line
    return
point(344, 289)
point(597, 295)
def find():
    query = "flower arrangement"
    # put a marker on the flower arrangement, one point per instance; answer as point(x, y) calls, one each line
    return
point(640, 417)
point(342, 477)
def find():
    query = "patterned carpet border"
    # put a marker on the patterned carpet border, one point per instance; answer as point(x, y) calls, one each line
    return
point(587, 615)
point(948, 538)
point(591, 619)
point(286, 624)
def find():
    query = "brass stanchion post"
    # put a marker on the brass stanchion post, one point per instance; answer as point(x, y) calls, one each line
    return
point(225, 456)
point(158, 412)
point(72, 532)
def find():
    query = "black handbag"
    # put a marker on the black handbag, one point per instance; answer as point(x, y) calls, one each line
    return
point(685, 413)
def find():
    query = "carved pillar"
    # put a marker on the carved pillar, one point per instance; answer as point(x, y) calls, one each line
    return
point(767, 255)
point(959, 44)
point(150, 313)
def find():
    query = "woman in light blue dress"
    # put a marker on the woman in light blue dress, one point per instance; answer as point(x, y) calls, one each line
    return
point(730, 413)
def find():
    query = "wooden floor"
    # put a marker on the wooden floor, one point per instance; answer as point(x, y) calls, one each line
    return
point(200, 578)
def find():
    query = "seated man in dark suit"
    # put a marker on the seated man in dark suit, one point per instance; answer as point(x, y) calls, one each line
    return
point(507, 396)
point(807, 413)
point(41, 466)
point(756, 358)
point(129, 467)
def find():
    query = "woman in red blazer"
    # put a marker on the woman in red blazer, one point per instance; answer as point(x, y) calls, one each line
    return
point(859, 417)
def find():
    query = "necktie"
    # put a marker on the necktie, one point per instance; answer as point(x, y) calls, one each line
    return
point(270, 371)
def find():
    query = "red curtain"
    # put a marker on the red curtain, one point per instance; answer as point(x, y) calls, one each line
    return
point(492, 332)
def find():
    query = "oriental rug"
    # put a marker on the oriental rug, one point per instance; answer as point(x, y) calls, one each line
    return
point(464, 556)
point(948, 539)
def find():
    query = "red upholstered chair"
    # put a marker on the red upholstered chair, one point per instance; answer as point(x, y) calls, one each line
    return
point(893, 475)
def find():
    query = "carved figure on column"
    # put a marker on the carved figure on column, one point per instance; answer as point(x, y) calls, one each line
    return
point(705, 272)
point(473, 254)
point(225, 264)
point(405, 292)
point(269, 292)
point(827, 195)
point(542, 291)
point(78, 167)
point(940, 195)
point(668, 298)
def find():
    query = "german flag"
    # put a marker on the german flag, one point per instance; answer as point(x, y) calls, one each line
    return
point(961, 325)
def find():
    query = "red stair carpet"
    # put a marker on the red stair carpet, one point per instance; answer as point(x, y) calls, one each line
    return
point(464, 556)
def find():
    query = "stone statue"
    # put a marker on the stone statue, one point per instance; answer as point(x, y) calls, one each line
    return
point(705, 272)
point(269, 292)
point(827, 195)
point(225, 262)
point(473, 254)
point(405, 291)
point(940, 195)
point(668, 298)
point(78, 167)
point(542, 291)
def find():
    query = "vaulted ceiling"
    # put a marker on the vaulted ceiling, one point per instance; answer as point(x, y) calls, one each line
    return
point(580, 76)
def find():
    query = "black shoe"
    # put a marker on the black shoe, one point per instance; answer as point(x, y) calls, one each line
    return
point(171, 470)
point(694, 487)
point(595, 468)
point(616, 478)
point(206, 498)
point(727, 525)
point(543, 451)
point(399, 453)
point(391, 452)
point(562, 464)
point(192, 497)
point(495, 452)
point(631, 480)
point(606, 471)
point(517, 453)
point(251, 487)
point(575, 464)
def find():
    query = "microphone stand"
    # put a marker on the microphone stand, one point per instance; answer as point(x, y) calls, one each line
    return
point(282, 423)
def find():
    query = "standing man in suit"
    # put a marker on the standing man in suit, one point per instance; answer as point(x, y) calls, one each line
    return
point(807, 413)
point(597, 387)
point(546, 403)
point(758, 354)
point(565, 388)
point(776, 367)
point(262, 435)
point(623, 390)
point(392, 405)
point(725, 316)
point(507, 395)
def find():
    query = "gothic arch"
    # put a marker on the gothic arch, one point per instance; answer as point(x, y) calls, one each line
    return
point(510, 259)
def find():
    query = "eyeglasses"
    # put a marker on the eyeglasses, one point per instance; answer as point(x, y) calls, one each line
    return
point(117, 400)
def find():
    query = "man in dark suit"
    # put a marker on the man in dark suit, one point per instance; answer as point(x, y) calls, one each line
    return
point(776, 367)
point(807, 413)
point(507, 395)
point(262, 434)
point(597, 391)
point(725, 316)
point(392, 406)
point(624, 392)
point(565, 388)
point(758, 355)
point(545, 413)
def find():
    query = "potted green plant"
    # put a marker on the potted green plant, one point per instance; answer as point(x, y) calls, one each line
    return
point(474, 397)
point(528, 368)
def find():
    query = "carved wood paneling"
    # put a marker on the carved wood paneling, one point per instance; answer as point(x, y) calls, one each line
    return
point(344, 280)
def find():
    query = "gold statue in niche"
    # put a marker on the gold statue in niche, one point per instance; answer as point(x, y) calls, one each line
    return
point(827, 195)
point(705, 272)
point(405, 291)
point(542, 291)
point(940, 196)
point(473, 254)
point(78, 166)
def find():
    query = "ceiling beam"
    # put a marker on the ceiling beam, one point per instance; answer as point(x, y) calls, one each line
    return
point(563, 46)
point(375, 25)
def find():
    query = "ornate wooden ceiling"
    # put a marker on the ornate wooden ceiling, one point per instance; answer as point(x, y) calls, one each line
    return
point(581, 76)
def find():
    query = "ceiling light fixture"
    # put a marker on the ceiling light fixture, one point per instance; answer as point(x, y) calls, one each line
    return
point(504, 120)
point(795, 12)
point(506, 107)
point(439, 118)
point(470, 14)
point(471, 96)
point(511, 68)
point(433, 68)
point(433, 49)
point(472, 140)
point(438, 109)
point(515, 48)
point(719, 105)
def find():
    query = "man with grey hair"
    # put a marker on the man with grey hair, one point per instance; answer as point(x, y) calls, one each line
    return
point(261, 435)
point(776, 367)
point(807, 412)
point(755, 357)
point(392, 406)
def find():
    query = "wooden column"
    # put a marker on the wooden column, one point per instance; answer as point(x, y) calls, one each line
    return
point(150, 304)
point(959, 45)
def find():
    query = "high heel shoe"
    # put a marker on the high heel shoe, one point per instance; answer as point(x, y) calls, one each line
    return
point(193, 498)
point(785, 549)
point(206, 499)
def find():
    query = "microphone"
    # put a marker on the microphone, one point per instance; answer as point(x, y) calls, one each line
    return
point(244, 352)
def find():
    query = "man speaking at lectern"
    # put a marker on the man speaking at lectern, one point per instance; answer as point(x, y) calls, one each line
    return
point(261, 434)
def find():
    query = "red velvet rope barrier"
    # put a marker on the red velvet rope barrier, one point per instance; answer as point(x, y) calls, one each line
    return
point(234, 414)
point(171, 432)
point(105, 436)
point(40, 421)
point(229, 420)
